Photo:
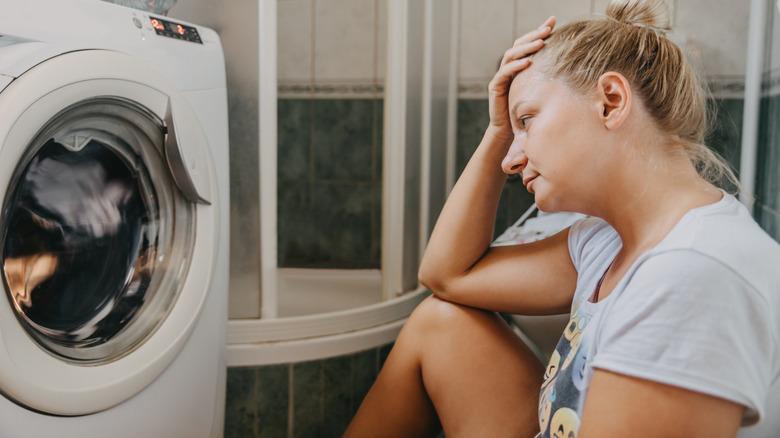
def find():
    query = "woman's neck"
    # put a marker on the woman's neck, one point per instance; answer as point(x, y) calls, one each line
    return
point(643, 209)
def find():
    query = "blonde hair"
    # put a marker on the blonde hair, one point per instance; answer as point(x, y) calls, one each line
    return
point(631, 40)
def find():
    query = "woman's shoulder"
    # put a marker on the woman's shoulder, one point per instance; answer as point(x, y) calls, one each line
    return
point(731, 236)
point(591, 239)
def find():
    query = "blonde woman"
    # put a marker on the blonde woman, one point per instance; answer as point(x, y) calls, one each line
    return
point(672, 288)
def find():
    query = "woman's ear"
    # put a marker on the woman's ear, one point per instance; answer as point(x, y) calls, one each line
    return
point(614, 97)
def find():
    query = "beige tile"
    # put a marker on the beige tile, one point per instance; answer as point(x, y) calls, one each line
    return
point(344, 41)
point(600, 7)
point(532, 13)
point(716, 32)
point(381, 43)
point(485, 33)
point(774, 62)
point(294, 49)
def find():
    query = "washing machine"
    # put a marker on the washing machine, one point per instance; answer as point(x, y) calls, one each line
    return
point(113, 228)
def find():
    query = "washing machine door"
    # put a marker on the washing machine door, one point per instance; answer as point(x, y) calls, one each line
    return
point(107, 233)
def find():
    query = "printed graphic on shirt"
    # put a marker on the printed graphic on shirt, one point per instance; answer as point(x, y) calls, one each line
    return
point(561, 395)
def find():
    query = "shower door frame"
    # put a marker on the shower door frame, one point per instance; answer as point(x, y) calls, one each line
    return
point(411, 97)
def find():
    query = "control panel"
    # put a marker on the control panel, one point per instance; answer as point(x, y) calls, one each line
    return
point(174, 30)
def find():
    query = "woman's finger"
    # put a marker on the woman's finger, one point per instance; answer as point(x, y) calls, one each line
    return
point(541, 32)
point(522, 51)
point(507, 72)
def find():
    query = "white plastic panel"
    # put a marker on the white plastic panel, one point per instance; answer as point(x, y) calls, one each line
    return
point(4, 81)
point(18, 55)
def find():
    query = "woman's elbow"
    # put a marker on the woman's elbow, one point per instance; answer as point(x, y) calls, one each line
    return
point(432, 282)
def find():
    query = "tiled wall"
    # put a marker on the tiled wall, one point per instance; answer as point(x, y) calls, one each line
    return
point(714, 33)
point(306, 399)
point(329, 190)
point(331, 69)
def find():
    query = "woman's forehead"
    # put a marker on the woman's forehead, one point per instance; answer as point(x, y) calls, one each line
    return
point(529, 84)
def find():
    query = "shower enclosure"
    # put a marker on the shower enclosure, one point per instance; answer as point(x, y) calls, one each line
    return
point(342, 147)
point(350, 120)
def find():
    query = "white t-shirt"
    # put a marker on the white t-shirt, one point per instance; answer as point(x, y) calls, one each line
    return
point(698, 311)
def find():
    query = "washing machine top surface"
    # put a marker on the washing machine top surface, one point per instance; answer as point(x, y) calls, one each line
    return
point(182, 52)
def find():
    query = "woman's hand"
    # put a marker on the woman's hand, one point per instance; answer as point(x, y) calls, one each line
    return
point(514, 61)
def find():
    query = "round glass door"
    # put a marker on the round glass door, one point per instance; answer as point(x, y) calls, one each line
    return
point(96, 239)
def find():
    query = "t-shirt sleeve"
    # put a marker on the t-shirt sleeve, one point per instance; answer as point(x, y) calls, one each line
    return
point(582, 236)
point(688, 320)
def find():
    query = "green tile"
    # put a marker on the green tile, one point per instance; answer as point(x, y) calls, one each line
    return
point(342, 139)
point(241, 413)
point(294, 134)
point(519, 199)
point(273, 400)
point(375, 246)
point(364, 368)
point(725, 134)
point(378, 140)
point(307, 404)
point(473, 119)
point(337, 395)
point(341, 214)
point(328, 225)
point(295, 232)
point(767, 176)
point(769, 220)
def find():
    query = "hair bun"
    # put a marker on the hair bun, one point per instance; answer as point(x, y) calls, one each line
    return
point(650, 13)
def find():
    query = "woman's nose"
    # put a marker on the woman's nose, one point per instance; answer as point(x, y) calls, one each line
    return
point(515, 159)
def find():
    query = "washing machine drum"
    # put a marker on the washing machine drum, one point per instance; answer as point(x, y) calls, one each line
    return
point(93, 228)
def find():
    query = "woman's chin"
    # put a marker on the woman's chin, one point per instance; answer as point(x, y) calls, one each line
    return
point(543, 200)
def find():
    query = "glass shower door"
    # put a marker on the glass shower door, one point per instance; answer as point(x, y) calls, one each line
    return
point(767, 183)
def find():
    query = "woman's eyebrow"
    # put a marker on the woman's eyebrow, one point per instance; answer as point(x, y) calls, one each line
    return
point(518, 105)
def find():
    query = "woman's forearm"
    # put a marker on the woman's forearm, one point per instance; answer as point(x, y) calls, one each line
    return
point(464, 229)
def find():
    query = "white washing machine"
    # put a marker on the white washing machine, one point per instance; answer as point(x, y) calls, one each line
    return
point(113, 228)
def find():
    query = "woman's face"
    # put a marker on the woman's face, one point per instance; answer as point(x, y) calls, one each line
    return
point(557, 141)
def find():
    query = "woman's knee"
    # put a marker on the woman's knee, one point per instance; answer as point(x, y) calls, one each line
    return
point(434, 315)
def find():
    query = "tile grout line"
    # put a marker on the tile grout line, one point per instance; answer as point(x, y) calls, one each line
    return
point(255, 399)
point(290, 401)
point(313, 40)
point(310, 104)
point(375, 144)
point(376, 43)
point(321, 367)
point(353, 367)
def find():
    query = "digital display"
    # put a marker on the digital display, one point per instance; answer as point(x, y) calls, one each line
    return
point(175, 30)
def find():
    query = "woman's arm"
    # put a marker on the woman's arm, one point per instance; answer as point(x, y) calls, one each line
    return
point(621, 405)
point(458, 264)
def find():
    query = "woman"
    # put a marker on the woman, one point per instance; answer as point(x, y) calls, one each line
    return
point(671, 285)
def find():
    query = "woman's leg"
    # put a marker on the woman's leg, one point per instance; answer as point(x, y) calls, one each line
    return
point(457, 365)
